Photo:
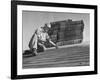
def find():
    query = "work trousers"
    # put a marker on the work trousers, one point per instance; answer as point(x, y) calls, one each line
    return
point(35, 42)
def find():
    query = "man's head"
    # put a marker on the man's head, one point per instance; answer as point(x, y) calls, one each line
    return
point(46, 27)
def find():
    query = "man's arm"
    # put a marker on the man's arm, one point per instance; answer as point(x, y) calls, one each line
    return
point(53, 44)
point(48, 38)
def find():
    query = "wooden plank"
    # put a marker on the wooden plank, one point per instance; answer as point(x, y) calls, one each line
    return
point(65, 57)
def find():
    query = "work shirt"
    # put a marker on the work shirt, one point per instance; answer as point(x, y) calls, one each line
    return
point(42, 36)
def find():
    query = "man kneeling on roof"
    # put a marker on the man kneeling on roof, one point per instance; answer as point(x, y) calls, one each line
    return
point(39, 38)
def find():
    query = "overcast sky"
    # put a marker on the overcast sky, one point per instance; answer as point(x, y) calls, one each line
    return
point(33, 19)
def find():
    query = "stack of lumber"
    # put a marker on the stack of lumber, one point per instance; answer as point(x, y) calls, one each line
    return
point(66, 32)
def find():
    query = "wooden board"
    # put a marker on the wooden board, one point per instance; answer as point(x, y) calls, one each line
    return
point(63, 57)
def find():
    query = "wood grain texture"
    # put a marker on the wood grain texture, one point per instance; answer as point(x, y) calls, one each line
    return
point(62, 57)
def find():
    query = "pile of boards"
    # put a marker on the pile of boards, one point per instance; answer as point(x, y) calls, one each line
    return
point(66, 32)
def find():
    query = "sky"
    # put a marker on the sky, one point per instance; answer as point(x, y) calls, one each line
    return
point(31, 20)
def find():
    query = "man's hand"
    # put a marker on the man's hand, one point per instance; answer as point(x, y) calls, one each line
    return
point(56, 46)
